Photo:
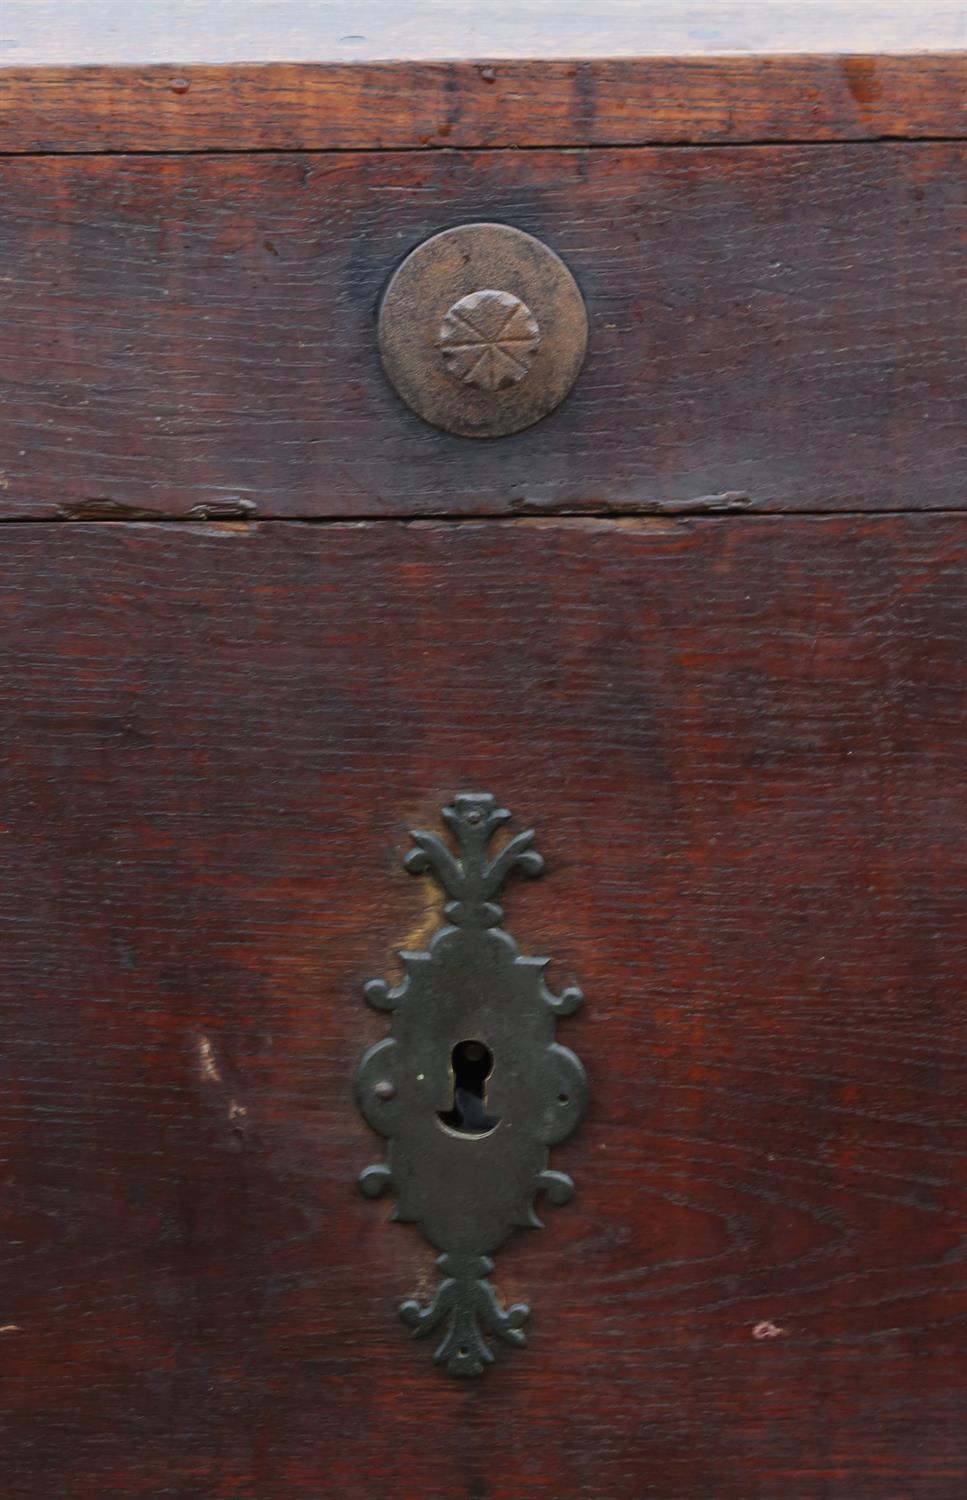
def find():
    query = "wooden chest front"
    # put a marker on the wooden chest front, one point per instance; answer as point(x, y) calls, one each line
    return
point(702, 627)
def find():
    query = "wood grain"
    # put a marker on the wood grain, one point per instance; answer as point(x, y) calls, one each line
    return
point(742, 742)
point(597, 102)
point(771, 328)
point(181, 75)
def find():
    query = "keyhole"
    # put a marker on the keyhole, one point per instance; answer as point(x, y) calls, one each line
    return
point(472, 1065)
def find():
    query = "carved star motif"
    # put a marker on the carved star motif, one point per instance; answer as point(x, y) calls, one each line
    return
point(489, 339)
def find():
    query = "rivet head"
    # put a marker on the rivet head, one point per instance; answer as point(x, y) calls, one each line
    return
point(488, 339)
point(482, 330)
point(384, 1089)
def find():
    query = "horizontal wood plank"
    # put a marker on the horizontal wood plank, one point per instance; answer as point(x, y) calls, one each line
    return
point(184, 75)
point(742, 743)
point(494, 103)
point(770, 328)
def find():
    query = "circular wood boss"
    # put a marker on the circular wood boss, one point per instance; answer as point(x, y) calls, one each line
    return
point(482, 330)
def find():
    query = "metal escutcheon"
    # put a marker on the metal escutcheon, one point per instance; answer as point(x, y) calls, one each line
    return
point(482, 330)
point(471, 1088)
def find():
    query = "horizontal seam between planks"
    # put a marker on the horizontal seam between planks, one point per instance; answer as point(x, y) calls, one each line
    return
point(479, 517)
point(758, 144)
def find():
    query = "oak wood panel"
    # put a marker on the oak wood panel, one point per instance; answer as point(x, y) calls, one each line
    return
point(103, 75)
point(742, 742)
point(771, 328)
point(601, 102)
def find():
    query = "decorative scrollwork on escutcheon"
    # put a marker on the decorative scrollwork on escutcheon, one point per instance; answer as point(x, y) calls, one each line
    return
point(471, 1087)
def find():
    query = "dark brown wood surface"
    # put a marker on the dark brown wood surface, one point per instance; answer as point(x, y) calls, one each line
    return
point(603, 102)
point(770, 328)
point(743, 744)
point(182, 74)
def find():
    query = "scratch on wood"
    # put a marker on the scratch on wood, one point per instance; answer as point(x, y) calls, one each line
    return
point(206, 1057)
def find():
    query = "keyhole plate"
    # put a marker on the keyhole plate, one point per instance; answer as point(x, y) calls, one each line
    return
point(471, 1087)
